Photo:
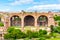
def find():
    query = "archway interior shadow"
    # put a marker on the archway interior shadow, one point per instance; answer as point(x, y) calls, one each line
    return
point(15, 21)
point(42, 21)
point(29, 21)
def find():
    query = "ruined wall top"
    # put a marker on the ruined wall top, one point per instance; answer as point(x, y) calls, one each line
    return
point(58, 13)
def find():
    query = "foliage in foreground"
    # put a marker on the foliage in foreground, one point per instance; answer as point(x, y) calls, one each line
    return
point(57, 18)
point(1, 24)
point(41, 34)
point(18, 34)
point(14, 33)
point(57, 30)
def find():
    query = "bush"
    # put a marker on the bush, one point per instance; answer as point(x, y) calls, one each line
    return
point(10, 29)
point(42, 33)
point(14, 33)
point(57, 29)
point(47, 36)
point(42, 38)
point(39, 34)
point(1, 24)
point(7, 36)
point(58, 23)
point(31, 34)
point(54, 35)
point(51, 27)
point(56, 18)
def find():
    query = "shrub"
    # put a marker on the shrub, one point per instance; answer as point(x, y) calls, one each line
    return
point(10, 29)
point(58, 23)
point(56, 18)
point(47, 36)
point(42, 33)
point(7, 36)
point(54, 30)
point(42, 38)
point(55, 34)
point(57, 29)
point(51, 27)
point(31, 34)
point(14, 33)
point(39, 34)
point(1, 24)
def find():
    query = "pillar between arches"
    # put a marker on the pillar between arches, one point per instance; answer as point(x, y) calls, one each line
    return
point(22, 23)
point(35, 22)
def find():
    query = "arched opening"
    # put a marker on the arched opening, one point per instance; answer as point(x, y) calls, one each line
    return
point(42, 21)
point(29, 21)
point(15, 21)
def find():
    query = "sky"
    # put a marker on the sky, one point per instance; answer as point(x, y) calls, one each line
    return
point(29, 5)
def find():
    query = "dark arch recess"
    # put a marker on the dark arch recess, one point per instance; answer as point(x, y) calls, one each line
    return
point(42, 20)
point(15, 21)
point(29, 20)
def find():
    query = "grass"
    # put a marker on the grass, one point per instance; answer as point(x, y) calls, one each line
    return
point(54, 39)
point(16, 27)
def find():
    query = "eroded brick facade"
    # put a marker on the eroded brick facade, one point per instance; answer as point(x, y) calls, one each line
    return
point(5, 17)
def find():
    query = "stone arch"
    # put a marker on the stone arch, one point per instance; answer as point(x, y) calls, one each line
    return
point(15, 20)
point(29, 20)
point(42, 20)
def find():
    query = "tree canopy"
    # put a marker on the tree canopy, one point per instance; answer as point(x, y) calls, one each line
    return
point(57, 18)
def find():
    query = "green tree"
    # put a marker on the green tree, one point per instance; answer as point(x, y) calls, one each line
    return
point(57, 18)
